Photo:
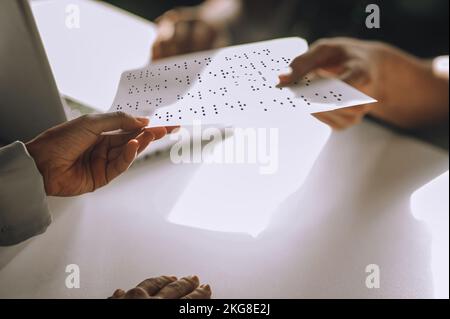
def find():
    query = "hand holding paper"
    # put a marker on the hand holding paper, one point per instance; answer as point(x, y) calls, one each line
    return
point(409, 94)
point(230, 86)
point(74, 158)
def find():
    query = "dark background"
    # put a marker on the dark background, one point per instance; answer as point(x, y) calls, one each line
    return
point(418, 26)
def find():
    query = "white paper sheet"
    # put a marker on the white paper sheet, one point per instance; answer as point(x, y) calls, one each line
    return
point(228, 85)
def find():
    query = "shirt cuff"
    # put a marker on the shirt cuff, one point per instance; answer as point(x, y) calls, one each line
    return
point(24, 211)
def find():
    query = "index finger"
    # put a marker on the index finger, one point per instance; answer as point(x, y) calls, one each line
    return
point(318, 56)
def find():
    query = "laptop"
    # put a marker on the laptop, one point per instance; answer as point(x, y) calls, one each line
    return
point(29, 99)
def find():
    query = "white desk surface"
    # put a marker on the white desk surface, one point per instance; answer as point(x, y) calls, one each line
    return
point(352, 210)
point(313, 230)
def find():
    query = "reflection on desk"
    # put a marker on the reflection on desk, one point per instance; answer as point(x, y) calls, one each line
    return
point(353, 209)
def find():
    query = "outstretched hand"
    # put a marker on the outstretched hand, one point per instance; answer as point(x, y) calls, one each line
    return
point(166, 287)
point(409, 94)
point(354, 62)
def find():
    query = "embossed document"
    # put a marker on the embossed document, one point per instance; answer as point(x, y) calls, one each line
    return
point(229, 85)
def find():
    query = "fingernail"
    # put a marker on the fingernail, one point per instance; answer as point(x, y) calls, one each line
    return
point(207, 287)
point(173, 277)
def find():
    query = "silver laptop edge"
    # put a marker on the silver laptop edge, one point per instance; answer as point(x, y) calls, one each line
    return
point(29, 99)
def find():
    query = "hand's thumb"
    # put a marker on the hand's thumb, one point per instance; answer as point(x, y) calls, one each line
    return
point(99, 123)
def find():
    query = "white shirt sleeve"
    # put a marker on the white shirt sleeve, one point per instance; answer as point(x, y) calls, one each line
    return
point(23, 203)
point(440, 66)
